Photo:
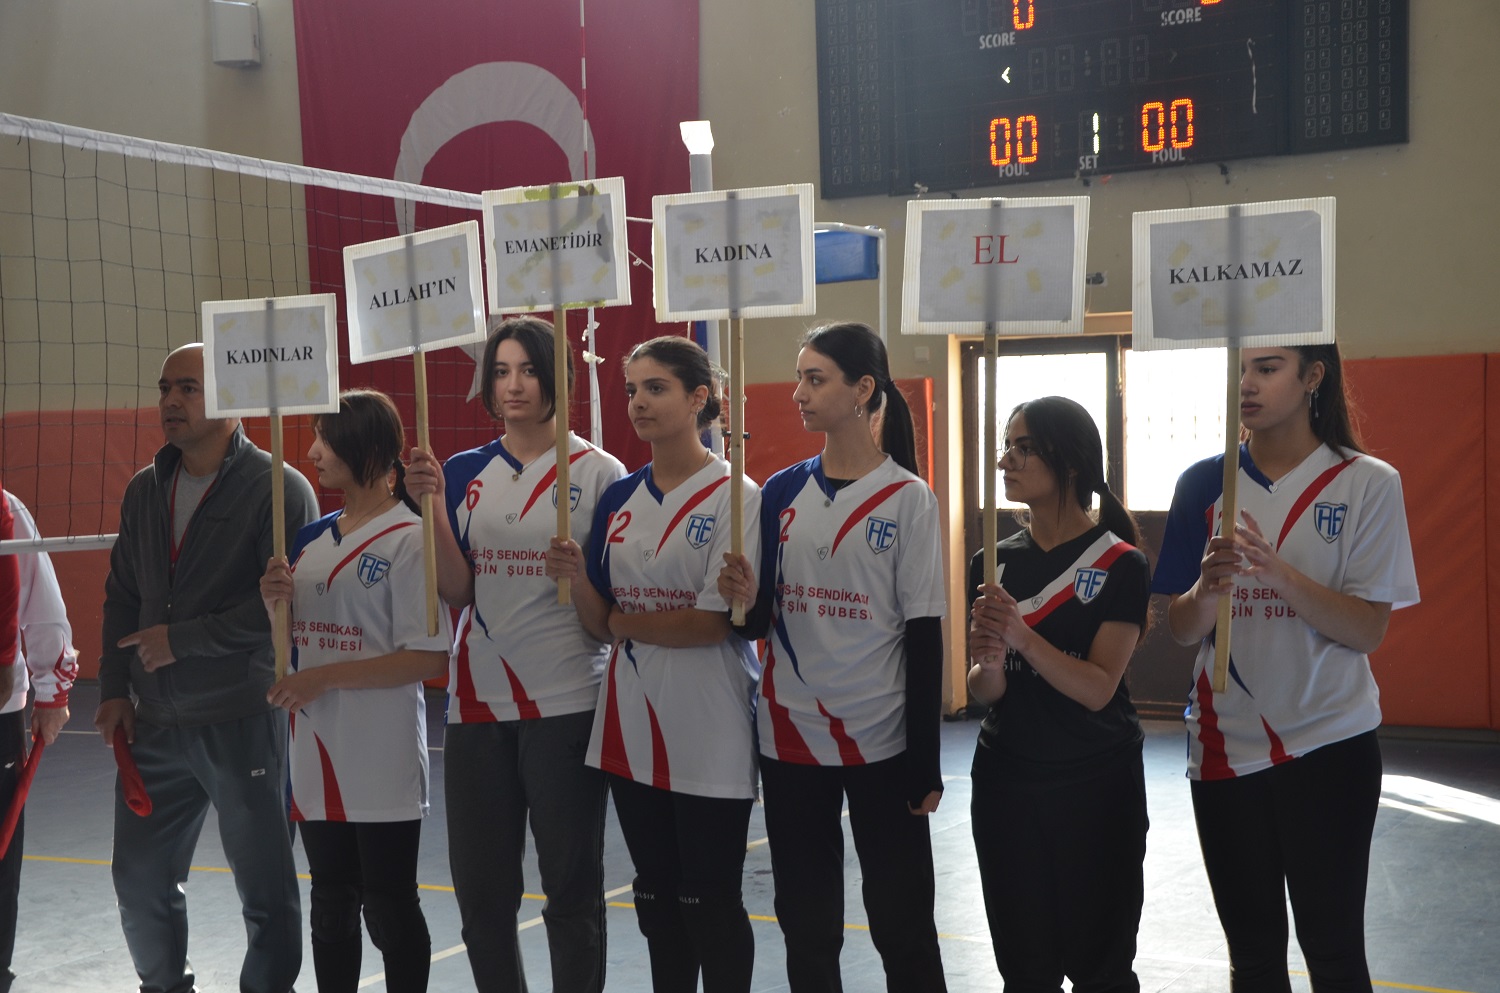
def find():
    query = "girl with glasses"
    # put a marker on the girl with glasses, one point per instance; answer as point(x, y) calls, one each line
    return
point(1059, 797)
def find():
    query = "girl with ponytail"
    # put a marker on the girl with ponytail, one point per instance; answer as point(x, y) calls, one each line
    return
point(1059, 796)
point(358, 748)
point(849, 598)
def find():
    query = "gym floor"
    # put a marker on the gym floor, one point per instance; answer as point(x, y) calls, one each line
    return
point(1433, 918)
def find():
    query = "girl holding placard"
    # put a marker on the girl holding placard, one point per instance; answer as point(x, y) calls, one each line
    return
point(674, 726)
point(849, 597)
point(1059, 794)
point(524, 678)
point(358, 750)
point(1284, 763)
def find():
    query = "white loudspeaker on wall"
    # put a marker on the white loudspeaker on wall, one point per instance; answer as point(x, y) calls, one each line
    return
point(235, 28)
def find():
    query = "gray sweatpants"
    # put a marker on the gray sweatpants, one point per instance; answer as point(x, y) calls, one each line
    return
point(496, 776)
point(238, 766)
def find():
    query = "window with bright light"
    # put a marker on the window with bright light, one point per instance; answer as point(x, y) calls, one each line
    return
point(1174, 410)
point(1080, 376)
point(1174, 416)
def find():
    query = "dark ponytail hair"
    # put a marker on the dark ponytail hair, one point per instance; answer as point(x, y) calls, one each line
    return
point(367, 436)
point(1330, 408)
point(859, 352)
point(535, 336)
point(1066, 438)
point(689, 363)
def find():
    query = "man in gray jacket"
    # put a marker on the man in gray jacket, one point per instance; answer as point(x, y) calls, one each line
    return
point(186, 665)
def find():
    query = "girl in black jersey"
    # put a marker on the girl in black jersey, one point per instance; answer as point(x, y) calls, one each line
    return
point(1059, 808)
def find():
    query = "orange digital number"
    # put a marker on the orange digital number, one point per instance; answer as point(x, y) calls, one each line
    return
point(1156, 118)
point(1021, 23)
point(1182, 122)
point(1014, 141)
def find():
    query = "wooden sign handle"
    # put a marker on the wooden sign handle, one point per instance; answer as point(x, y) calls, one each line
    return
point(281, 631)
point(429, 535)
point(564, 482)
point(991, 429)
point(736, 400)
point(1229, 508)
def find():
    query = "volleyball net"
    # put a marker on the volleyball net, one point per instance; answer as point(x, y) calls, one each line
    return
point(109, 246)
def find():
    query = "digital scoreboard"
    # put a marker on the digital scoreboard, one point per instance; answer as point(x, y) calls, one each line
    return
point(918, 95)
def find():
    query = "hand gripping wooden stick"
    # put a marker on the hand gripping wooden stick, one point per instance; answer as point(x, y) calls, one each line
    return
point(564, 479)
point(280, 628)
point(736, 401)
point(429, 535)
point(1229, 511)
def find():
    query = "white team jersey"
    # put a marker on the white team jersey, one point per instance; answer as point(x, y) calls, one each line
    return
point(680, 719)
point(848, 569)
point(1341, 522)
point(520, 654)
point(361, 755)
point(50, 663)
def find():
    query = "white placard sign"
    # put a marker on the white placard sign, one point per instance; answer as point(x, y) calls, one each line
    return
point(557, 246)
point(1013, 266)
point(734, 254)
point(1255, 275)
point(275, 355)
point(414, 293)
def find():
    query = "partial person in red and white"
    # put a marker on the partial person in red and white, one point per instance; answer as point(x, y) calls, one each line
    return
point(1284, 763)
point(675, 725)
point(36, 652)
point(850, 600)
point(358, 751)
point(524, 678)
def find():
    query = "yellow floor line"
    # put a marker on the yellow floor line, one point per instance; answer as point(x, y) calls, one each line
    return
point(534, 921)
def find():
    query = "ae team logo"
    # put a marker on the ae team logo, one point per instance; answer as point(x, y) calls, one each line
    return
point(372, 569)
point(574, 494)
point(880, 534)
point(700, 528)
point(1088, 582)
point(1328, 518)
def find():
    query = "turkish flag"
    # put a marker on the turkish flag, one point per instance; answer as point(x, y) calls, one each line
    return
point(474, 96)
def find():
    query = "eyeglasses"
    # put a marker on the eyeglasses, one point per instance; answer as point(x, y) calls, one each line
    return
point(1023, 452)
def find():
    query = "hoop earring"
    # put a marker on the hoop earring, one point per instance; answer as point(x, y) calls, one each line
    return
point(859, 410)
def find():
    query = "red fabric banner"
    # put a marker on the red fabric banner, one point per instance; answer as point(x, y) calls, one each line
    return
point(473, 97)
